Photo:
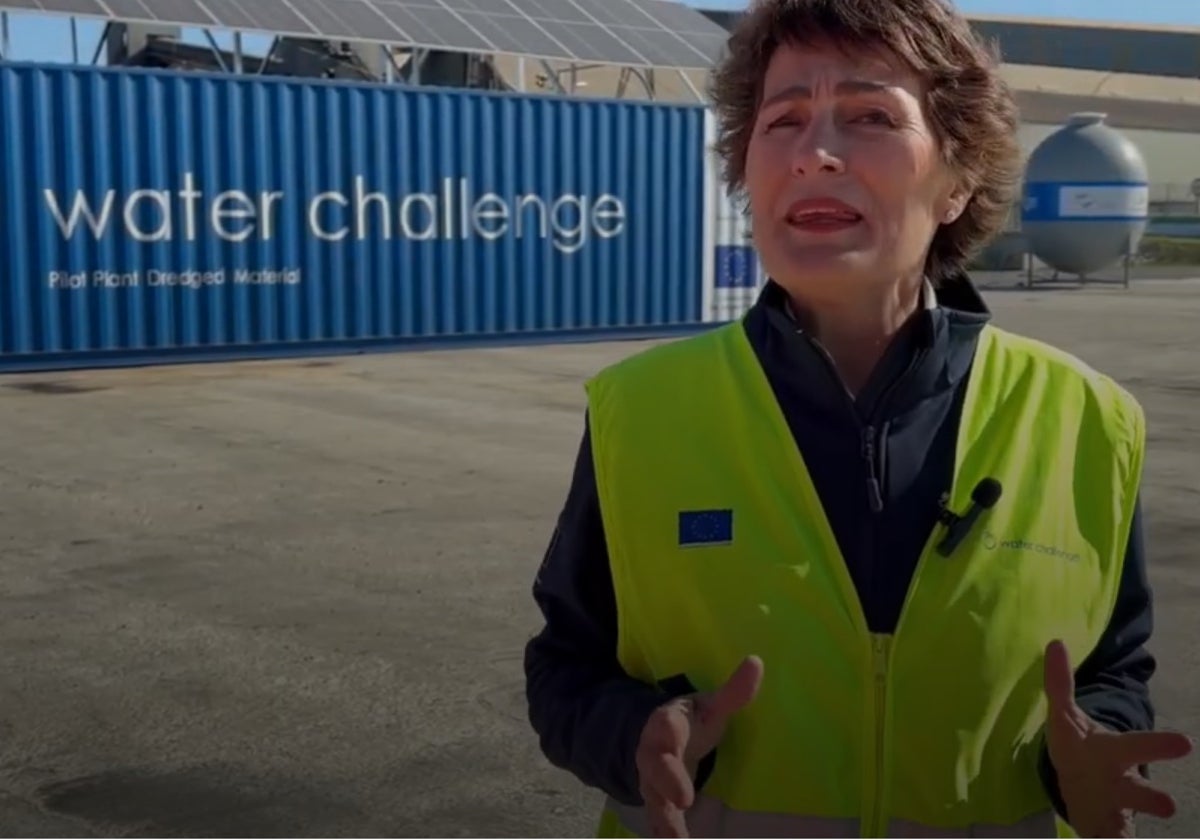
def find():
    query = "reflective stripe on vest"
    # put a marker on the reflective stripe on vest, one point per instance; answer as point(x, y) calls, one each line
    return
point(719, 548)
point(709, 817)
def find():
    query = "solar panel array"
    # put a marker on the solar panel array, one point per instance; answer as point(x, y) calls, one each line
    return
point(653, 33)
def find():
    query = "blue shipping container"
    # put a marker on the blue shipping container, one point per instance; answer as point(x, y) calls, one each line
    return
point(149, 214)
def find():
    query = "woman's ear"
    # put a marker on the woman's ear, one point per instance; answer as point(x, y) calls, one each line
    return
point(955, 204)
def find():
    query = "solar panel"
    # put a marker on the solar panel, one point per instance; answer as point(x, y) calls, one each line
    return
point(519, 35)
point(71, 7)
point(655, 33)
point(279, 18)
point(178, 11)
point(489, 7)
point(614, 12)
point(711, 47)
point(130, 10)
point(661, 49)
point(433, 25)
point(701, 34)
point(592, 42)
point(550, 10)
point(331, 24)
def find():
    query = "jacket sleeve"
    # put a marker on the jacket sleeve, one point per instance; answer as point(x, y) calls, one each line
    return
point(588, 713)
point(1111, 685)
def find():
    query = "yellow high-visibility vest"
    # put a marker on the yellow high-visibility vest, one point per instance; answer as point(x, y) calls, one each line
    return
point(719, 548)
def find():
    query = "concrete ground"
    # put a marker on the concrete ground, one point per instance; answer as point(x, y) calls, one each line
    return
point(290, 598)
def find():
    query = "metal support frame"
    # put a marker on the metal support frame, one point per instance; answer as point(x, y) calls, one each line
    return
point(104, 36)
point(688, 82)
point(394, 73)
point(216, 49)
point(102, 42)
point(415, 59)
point(389, 66)
point(270, 56)
point(239, 63)
point(74, 40)
point(622, 82)
point(1128, 258)
point(552, 75)
point(628, 73)
point(1083, 279)
point(5, 42)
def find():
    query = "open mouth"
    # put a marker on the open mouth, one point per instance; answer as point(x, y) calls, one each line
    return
point(823, 221)
point(823, 216)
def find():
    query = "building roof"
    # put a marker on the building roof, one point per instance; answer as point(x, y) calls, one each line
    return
point(1044, 94)
point(1130, 48)
point(1051, 94)
point(1096, 83)
point(1168, 51)
point(1054, 108)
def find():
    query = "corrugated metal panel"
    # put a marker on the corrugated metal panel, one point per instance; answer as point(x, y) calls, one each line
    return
point(149, 212)
point(733, 274)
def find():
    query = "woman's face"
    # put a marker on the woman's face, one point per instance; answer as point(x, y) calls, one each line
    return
point(843, 172)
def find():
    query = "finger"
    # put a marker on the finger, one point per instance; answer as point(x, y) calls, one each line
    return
point(1135, 793)
point(1122, 826)
point(666, 777)
point(664, 819)
point(1058, 678)
point(737, 692)
point(668, 730)
point(1129, 749)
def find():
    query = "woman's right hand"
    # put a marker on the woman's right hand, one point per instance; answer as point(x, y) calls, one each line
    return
point(677, 736)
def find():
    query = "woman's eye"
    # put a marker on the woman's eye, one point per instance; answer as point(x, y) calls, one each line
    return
point(779, 122)
point(875, 118)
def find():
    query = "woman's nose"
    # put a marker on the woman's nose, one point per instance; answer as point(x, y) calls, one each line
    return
point(817, 149)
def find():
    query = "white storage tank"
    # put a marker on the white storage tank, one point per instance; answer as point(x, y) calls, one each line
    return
point(1087, 197)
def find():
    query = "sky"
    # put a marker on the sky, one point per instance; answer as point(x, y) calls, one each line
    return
point(49, 39)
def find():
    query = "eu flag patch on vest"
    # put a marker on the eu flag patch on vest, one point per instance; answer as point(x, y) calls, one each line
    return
point(705, 527)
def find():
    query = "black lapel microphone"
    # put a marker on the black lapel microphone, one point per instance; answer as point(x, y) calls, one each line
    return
point(984, 496)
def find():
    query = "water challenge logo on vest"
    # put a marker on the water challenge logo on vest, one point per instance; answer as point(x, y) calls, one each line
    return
point(992, 543)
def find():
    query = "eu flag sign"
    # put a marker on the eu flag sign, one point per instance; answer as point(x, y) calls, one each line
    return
point(737, 267)
point(705, 527)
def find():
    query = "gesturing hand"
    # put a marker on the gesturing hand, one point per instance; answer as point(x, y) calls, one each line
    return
point(680, 733)
point(1097, 767)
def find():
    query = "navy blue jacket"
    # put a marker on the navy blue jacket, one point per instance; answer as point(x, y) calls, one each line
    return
point(880, 463)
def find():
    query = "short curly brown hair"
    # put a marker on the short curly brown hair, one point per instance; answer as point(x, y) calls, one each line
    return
point(970, 108)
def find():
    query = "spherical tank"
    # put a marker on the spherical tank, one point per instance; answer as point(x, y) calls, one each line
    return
point(1086, 198)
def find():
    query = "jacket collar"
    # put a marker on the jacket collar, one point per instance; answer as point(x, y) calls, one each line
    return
point(930, 354)
point(928, 299)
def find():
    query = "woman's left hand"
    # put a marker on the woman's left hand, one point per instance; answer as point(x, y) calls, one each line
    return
point(1097, 768)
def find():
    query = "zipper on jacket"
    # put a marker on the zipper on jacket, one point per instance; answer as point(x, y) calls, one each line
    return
point(868, 434)
point(875, 818)
point(869, 454)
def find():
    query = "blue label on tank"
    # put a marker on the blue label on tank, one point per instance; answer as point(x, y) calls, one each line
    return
point(1108, 201)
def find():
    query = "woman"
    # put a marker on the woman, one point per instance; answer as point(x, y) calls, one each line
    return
point(859, 563)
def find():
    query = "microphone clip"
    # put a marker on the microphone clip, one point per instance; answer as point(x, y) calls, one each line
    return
point(983, 497)
point(946, 516)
